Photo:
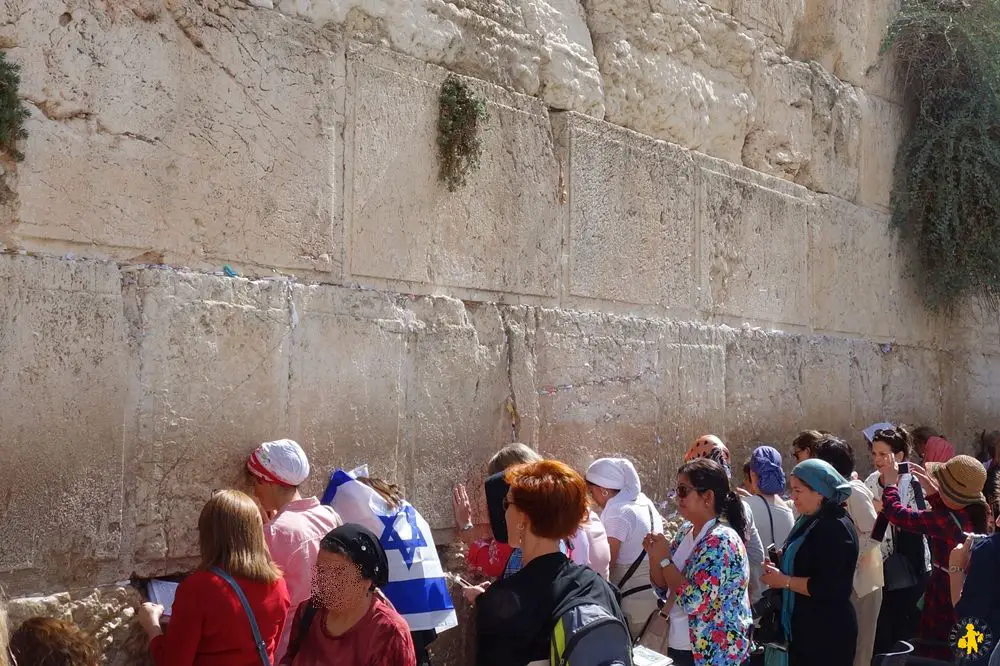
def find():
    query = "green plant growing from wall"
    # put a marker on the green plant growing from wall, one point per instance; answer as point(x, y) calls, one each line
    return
point(12, 110)
point(459, 118)
point(946, 195)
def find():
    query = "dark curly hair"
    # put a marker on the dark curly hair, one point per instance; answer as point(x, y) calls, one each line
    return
point(897, 438)
point(45, 641)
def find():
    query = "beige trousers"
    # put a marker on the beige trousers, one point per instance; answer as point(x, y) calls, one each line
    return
point(866, 608)
point(639, 606)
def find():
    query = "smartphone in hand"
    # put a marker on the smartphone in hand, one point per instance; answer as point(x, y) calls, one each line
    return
point(904, 468)
point(772, 554)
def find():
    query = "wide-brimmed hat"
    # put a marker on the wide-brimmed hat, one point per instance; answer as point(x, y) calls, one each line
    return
point(961, 480)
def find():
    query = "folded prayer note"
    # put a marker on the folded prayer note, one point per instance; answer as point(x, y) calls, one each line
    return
point(162, 592)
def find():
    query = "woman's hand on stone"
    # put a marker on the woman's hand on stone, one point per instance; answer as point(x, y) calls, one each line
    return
point(463, 508)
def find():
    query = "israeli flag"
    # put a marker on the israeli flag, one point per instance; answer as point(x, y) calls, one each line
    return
point(417, 586)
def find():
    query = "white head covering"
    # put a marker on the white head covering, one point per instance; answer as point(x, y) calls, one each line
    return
point(870, 430)
point(616, 474)
point(282, 462)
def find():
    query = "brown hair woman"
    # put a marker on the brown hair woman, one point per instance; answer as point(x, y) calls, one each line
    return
point(209, 625)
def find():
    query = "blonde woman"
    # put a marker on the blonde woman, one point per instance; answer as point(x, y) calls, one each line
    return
point(236, 592)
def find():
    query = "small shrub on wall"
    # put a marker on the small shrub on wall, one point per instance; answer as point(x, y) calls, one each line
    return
point(12, 110)
point(459, 118)
point(946, 197)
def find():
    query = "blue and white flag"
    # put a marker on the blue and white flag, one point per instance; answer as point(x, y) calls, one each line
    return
point(417, 586)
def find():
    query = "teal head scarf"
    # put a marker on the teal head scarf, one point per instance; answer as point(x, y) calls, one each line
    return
point(835, 489)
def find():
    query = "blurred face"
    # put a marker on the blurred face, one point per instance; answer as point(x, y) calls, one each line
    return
point(693, 503)
point(807, 501)
point(338, 585)
point(754, 480)
point(599, 495)
point(883, 457)
point(801, 454)
point(517, 521)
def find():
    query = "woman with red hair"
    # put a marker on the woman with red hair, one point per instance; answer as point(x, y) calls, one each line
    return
point(546, 503)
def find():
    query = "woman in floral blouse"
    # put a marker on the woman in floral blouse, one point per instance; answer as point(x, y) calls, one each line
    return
point(703, 573)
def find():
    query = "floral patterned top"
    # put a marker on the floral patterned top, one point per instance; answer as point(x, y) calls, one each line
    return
point(715, 597)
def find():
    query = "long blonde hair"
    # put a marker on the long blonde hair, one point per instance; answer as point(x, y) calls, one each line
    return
point(231, 535)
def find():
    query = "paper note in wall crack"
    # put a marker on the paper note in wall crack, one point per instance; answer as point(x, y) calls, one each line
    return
point(162, 592)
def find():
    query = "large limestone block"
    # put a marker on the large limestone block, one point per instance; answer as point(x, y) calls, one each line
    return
point(205, 134)
point(457, 402)
point(753, 249)
point(213, 384)
point(775, 18)
point(845, 38)
point(501, 232)
point(676, 70)
point(631, 216)
point(852, 258)
point(764, 391)
point(537, 48)
point(883, 128)
point(64, 362)
point(598, 386)
point(912, 386)
point(348, 378)
point(416, 388)
point(971, 395)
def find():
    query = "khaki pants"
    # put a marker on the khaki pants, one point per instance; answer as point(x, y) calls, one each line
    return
point(639, 606)
point(866, 608)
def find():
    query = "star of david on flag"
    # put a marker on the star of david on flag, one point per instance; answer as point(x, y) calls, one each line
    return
point(391, 540)
point(417, 586)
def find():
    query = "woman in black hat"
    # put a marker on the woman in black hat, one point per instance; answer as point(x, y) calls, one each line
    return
point(348, 621)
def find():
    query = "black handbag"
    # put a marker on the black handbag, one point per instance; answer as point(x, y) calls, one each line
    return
point(767, 618)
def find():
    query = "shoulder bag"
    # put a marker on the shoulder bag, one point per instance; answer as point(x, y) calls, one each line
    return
point(635, 565)
point(898, 569)
point(261, 648)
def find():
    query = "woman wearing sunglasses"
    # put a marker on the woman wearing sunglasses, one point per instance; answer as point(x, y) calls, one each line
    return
point(703, 574)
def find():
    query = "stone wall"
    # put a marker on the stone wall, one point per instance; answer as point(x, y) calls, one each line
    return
point(679, 226)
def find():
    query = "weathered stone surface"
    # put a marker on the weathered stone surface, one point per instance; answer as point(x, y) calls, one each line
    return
point(882, 130)
point(205, 135)
point(536, 48)
point(631, 216)
point(63, 392)
point(912, 388)
point(753, 245)
point(106, 613)
point(499, 233)
point(214, 384)
point(845, 38)
point(852, 258)
point(598, 382)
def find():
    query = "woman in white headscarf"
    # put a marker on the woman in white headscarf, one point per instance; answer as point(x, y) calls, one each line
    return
point(628, 516)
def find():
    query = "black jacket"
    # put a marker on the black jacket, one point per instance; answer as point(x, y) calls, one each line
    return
point(515, 616)
point(824, 625)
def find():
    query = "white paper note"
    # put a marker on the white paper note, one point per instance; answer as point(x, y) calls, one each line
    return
point(162, 592)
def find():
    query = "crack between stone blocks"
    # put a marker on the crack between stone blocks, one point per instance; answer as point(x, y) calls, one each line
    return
point(515, 416)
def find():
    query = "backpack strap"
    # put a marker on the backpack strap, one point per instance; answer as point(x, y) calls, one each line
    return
point(918, 493)
point(770, 516)
point(261, 648)
point(634, 566)
point(302, 631)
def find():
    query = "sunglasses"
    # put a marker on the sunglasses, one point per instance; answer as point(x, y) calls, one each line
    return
point(683, 491)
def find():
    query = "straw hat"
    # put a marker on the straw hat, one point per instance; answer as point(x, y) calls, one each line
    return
point(961, 480)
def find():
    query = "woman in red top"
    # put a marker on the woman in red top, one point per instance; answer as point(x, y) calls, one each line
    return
point(208, 626)
point(348, 622)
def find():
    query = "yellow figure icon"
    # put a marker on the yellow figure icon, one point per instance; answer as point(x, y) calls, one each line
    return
point(971, 640)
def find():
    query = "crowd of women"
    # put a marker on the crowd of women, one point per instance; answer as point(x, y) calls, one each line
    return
point(819, 568)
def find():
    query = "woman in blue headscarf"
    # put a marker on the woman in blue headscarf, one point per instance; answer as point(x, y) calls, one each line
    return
point(817, 570)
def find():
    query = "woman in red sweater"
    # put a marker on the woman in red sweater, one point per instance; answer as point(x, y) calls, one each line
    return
point(208, 625)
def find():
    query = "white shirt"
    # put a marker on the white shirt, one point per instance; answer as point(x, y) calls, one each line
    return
point(630, 523)
point(907, 499)
point(780, 514)
point(679, 637)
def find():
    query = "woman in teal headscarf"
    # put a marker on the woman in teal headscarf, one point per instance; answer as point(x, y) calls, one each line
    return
point(817, 570)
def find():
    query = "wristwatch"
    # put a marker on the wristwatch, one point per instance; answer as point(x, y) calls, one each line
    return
point(666, 562)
